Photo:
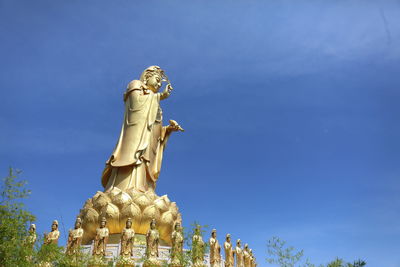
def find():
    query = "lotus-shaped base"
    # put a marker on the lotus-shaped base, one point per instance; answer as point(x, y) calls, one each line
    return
point(119, 205)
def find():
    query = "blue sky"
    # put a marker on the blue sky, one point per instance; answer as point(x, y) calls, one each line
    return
point(290, 109)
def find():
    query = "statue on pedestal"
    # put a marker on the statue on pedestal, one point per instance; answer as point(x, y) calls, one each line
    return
point(246, 256)
point(239, 254)
point(131, 172)
point(137, 157)
point(177, 246)
point(215, 250)
point(101, 239)
point(127, 239)
point(229, 253)
point(31, 238)
point(52, 237)
point(152, 242)
point(198, 248)
point(75, 238)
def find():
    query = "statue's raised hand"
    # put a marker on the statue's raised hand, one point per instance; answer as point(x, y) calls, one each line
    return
point(174, 126)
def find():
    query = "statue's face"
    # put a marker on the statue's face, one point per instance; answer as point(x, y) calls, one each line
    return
point(102, 224)
point(128, 224)
point(31, 229)
point(228, 238)
point(154, 83)
point(214, 234)
point(77, 225)
point(54, 227)
point(177, 227)
point(238, 243)
point(153, 225)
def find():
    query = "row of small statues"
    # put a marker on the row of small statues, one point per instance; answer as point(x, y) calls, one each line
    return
point(244, 257)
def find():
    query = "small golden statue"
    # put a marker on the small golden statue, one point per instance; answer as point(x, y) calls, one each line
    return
point(127, 239)
point(239, 254)
point(252, 259)
point(152, 242)
point(75, 238)
point(101, 239)
point(31, 238)
point(215, 250)
point(198, 247)
point(229, 253)
point(52, 237)
point(246, 256)
point(177, 246)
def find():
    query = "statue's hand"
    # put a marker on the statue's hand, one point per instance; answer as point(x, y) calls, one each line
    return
point(174, 126)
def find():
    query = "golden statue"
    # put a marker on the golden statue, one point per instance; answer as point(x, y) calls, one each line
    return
point(252, 259)
point(101, 239)
point(131, 172)
point(137, 157)
point(31, 238)
point(215, 250)
point(177, 246)
point(239, 254)
point(75, 238)
point(127, 239)
point(229, 253)
point(246, 256)
point(198, 248)
point(52, 237)
point(152, 242)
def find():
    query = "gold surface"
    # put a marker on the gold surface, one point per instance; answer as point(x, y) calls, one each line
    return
point(215, 250)
point(229, 253)
point(75, 238)
point(130, 175)
point(239, 254)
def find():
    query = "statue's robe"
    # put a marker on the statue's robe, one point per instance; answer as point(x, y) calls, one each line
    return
point(137, 157)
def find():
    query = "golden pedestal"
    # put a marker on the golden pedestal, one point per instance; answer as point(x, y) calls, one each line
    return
point(119, 205)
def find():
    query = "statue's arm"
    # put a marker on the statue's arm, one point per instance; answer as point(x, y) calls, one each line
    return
point(166, 93)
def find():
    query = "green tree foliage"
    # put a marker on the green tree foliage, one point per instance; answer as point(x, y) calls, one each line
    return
point(14, 219)
point(280, 254)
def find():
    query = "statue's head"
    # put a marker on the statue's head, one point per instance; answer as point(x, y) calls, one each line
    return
point(214, 233)
point(128, 224)
point(177, 226)
point(152, 77)
point(54, 225)
point(103, 222)
point(251, 252)
point(153, 224)
point(239, 243)
point(78, 223)
point(228, 238)
point(32, 228)
point(246, 246)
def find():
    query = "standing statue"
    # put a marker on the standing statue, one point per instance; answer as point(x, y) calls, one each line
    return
point(229, 253)
point(137, 157)
point(252, 258)
point(31, 238)
point(246, 256)
point(152, 242)
point(101, 239)
point(75, 238)
point(215, 250)
point(177, 246)
point(198, 248)
point(239, 254)
point(127, 239)
point(52, 237)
